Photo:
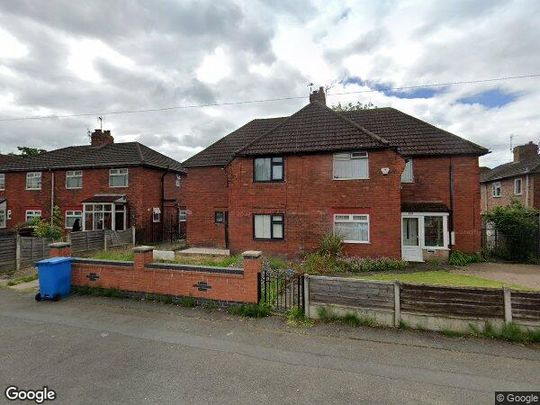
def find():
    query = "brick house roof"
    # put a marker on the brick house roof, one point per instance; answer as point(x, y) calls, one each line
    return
point(511, 169)
point(125, 154)
point(317, 128)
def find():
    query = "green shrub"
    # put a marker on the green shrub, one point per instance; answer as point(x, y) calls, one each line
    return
point(326, 315)
point(509, 332)
point(275, 263)
point(187, 302)
point(331, 245)
point(458, 258)
point(316, 263)
point(251, 310)
point(297, 317)
point(361, 265)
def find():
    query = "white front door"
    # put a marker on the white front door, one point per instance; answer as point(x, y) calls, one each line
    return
point(411, 249)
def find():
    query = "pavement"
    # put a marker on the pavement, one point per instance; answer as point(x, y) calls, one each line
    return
point(105, 350)
point(527, 275)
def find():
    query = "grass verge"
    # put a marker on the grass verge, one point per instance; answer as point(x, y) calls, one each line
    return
point(21, 280)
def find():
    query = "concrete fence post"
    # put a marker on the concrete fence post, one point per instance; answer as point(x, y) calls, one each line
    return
point(18, 251)
point(307, 312)
point(105, 241)
point(133, 236)
point(397, 304)
point(253, 265)
point(507, 294)
point(143, 255)
point(60, 249)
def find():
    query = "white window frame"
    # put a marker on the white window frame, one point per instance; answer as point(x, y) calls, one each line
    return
point(352, 220)
point(496, 186)
point(2, 181)
point(182, 215)
point(408, 177)
point(116, 173)
point(3, 215)
point(422, 230)
point(32, 213)
point(178, 181)
point(35, 175)
point(72, 214)
point(355, 155)
point(520, 181)
point(74, 174)
point(156, 215)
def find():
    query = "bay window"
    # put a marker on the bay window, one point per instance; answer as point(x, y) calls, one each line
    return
point(353, 228)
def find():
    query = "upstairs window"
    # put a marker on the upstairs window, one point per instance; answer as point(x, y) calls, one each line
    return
point(268, 227)
point(156, 215)
point(2, 181)
point(407, 175)
point(351, 165)
point(73, 179)
point(33, 181)
point(517, 186)
point(496, 189)
point(118, 178)
point(268, 169)
point(352, 228)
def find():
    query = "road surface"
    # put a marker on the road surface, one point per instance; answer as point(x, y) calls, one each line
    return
point(103, 350)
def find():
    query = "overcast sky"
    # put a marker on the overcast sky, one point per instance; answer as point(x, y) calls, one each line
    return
point(67, 57)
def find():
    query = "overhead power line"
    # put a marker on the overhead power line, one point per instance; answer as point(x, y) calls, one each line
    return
point(269, 100)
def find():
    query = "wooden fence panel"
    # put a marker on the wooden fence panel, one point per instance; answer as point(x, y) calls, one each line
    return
point(8, 252)
point(350, 292)
point(87, 240)
point(525, 306)
point(119, 238)
point(33, 249)
point(453, 301)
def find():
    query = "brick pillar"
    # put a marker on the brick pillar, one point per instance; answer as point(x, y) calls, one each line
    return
point(60, 249)
point(253, 265)
point(142, 256)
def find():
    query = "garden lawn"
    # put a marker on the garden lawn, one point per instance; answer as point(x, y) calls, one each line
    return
point(444, 278)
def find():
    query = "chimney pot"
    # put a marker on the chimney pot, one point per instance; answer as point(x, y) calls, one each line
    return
point(527, 151)
point(101, 138)
point(318, 95)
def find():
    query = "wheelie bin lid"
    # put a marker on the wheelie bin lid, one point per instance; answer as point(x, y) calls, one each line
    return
point(54, 260)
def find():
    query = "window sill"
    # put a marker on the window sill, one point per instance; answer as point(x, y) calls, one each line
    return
point(352, 178)
point(435, 248)
point(32, 189)
point(73, 188)
point(357, 242)
point(268, 240)
point(118, 186)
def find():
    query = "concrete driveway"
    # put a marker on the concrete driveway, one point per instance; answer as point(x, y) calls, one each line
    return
point(99, 350)
point(527, 275)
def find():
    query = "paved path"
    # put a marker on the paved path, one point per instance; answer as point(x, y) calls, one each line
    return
point(98, 350)
point(527, 275)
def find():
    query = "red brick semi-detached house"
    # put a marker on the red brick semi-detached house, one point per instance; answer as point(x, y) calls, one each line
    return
point(390, 184)
point(518, 180)
point(106, 185)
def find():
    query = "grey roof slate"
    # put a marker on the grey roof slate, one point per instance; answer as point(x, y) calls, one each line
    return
point(511, 169)
point(317, 128)
point(81, 157)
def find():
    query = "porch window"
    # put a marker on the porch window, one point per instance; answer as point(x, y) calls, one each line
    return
point(71, 217)
point(496, 189)
point(2, 181)
point(351, 165)
point(33, 181)
point(517, 186)
point(407, 175)
point(433, 231)
point(74, 179)
point(104, 216)
point(268, 169)
point(31, 215)
point(118, 178)
point(268, 226)
point(353, 228)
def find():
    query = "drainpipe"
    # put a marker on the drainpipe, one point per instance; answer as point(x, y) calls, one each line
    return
point(163, 201)
point(451, 189)
point(52, 195)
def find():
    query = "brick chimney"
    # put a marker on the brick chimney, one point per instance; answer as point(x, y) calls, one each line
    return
point(527, 151)
point(318, 95)
point(101, 138)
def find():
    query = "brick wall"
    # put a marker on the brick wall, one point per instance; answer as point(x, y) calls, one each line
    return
point(143, 193)
point(530, 188)
point(141, 275)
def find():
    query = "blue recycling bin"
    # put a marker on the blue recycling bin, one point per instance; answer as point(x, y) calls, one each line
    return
point(54, 278)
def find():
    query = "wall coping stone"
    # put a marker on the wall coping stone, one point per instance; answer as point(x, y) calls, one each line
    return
point(59, 245)
point(252, 254)
point(195, 268)
point(84, 260)
point(143, 249)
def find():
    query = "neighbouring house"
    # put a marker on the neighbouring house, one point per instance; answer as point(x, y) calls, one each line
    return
point(517, 180)
point(106, 185)
point(389, 183)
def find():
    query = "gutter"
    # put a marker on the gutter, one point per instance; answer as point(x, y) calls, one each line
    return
point(451, 216)
point(163, 201)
